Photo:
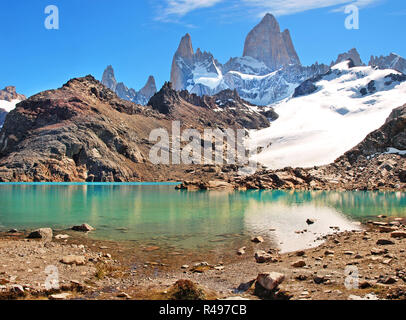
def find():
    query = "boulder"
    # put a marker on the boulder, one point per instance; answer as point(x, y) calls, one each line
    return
point(241, 251)
point(263, 257)
point(44, 234)
point(299, 264)
point(398, 234)
point(384, 242)
point(270, 280)
point(83, 228)
point(258, 239)
point(74, 260)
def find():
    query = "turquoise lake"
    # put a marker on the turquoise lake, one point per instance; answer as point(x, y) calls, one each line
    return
point(159, 214)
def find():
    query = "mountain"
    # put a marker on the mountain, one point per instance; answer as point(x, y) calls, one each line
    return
point(393, 61)
point(269, 70)
point(329, 115)
point(141, 97)
point(267, 44)
point(377, 163)
point(85, 132)
point(8, 100)
point(353, 55)
point(198, 72)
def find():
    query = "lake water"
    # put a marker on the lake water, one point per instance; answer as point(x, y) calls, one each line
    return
point(158, 214)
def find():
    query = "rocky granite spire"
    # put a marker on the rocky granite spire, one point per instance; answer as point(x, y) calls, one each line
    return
point(267, 44)
point(141, 97)
point(290, 47)
point(353, 55)
point(183, 56)
point(149, 89)
point(109, 80)
point(185, 49)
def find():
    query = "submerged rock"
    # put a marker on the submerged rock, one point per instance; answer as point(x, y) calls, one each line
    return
point(83, 228)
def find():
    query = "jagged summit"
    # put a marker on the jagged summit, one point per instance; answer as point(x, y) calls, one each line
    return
point(150, 87)
point(351, 54)
point(267, 44)
point(393, 61)
point(185, 49)
point(109, 79)
point(141, 97)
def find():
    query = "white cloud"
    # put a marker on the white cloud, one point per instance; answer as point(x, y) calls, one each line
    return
point(172, 10)
point(179, 8)
point(286, 7)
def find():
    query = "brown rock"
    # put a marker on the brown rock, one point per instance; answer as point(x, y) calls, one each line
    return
point(270, 280)
point(299, 264)
point(398, 234)
point(74, 260)
point(263, 257)
point(384, 242)
point(258, 239)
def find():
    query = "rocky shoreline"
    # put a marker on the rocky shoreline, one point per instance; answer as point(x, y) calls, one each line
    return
point(93, 270)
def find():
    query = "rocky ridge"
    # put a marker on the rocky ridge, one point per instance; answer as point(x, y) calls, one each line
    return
point(84, 132)
point(139, 97)
point(392, 61)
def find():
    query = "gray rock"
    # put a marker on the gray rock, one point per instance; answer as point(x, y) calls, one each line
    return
point(83, 228)
point(44, 234)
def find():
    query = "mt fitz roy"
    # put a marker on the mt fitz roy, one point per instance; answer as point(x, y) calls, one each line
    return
point(268, 72)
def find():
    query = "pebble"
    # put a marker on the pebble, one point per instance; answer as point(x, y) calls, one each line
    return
point(60, 296)
point(258, 239)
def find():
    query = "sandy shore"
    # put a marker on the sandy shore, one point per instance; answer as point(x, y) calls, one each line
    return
point(350, 265)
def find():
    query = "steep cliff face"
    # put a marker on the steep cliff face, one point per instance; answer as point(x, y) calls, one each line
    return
point(390, 138)
point(267, 44)
point(141, 97)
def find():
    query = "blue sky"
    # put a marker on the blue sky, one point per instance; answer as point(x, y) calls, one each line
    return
point(139, 38)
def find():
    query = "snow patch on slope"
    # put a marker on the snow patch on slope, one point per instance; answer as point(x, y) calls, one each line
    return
point(317, 129)
point(8, 105)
